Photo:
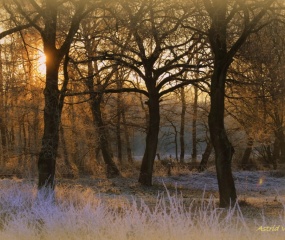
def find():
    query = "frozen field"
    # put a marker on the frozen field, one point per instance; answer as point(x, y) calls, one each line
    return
point(120, 208)
point(253, 183)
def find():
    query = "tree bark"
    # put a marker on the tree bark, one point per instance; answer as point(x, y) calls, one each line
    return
point(146, 170)
point(223, 148)
point(47, 156)
point(67, 163)
point(281, 141)
point(75, 145)
point(3, 127)
point(53, 98)
point(182, 126)
point(205, 157)
point(118, 127)
point(175, 143)
point(95, 104)
point(276, 153)
point(112, 170)
point(127, 138)
point(245, 164)
point(269, 157)
point(194, 125)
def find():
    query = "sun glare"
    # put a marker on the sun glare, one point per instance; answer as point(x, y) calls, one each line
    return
point(41, 63)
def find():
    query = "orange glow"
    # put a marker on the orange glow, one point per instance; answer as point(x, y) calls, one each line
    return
point(41, 63)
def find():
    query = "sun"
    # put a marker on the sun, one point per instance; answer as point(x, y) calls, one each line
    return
point(41, 63)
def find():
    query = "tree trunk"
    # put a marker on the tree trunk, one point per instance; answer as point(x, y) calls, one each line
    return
point(25, 149)
point(36, 123)
point(269, 157)
point(119, 138)
point(53, 100)
point(95, 104)
point(146, 171)
point(127, 138)
point(112, 170)
point(75, 144)
point(67, 163)
point(118, 127)
point(276, 153)
point(245, 163)
point(3, 128)
point(194, 125)
point(48, 152)
point(3, 142)
point(176, 144)
point(223, 148)
point(281, 140)
point(182, 126)
point(205, 157)
point(47, 157)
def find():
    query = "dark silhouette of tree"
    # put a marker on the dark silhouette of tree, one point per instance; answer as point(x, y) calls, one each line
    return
point(149, 39)
point(47, 19)
point(224, 48)
point(160, 53)
point(182, 125)
point(194, 125)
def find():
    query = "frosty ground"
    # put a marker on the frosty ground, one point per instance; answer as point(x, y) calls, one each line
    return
point(181, 206)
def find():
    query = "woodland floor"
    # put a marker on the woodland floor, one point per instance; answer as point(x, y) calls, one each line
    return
point(260, 193)
point(84, 205)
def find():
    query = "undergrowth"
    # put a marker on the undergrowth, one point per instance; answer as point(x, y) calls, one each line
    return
point(83, 214)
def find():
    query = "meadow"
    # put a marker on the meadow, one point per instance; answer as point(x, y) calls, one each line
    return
point(181, 206)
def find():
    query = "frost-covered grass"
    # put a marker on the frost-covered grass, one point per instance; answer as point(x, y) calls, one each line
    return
point(82, 214)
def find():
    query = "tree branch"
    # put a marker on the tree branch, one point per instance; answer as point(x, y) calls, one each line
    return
point(121, 90)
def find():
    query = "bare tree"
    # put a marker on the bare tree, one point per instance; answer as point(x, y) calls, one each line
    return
point(221, 14)
point(158, 52)
point(45, 19)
